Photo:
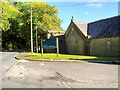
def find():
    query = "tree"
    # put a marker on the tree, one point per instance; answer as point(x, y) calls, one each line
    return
point(8, 13)
point(16, 22)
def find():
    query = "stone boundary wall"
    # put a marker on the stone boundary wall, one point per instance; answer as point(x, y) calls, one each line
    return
point(105, 46)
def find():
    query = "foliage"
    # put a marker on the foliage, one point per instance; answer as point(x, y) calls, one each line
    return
point(16, 22)
point(8, 11)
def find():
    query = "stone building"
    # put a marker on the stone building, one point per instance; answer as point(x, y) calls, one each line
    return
point(104, 37)
point(76, 38)
point(99, 38)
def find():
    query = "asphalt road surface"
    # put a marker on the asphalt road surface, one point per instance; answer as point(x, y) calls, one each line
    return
point(27, 74)
point(7, 60)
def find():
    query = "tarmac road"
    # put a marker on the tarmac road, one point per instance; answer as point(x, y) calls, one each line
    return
point(29, 74)
point(8, 59)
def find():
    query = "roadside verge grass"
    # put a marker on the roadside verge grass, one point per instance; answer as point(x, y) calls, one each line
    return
point(53, 56)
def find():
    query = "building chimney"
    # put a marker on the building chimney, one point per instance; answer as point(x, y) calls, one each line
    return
point(72, 19)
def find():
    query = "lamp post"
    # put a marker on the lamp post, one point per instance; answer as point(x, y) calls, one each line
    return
point(36, 41)
point(31, 33)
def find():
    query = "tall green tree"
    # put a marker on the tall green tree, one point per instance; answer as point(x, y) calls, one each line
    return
point(8, 13)
point(16, 22)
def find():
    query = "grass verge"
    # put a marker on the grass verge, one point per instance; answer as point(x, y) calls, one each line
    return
point(53, 56)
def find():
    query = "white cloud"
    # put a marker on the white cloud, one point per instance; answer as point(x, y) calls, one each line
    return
point(96, 5)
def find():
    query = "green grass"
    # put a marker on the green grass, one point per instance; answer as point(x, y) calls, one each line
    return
point(68, 57)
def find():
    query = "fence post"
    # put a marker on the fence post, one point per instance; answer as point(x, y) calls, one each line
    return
point(41, 48)
point(57, 45)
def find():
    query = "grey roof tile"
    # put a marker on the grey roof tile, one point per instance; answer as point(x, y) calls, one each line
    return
point(109, 27)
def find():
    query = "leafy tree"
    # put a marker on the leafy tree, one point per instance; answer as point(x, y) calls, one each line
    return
point(7, 11)
point(16, 22)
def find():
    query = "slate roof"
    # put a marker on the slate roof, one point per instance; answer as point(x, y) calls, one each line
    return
point(109, 27)
point(82, 27)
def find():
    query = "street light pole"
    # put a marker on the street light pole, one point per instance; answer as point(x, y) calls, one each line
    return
point(36, 41)
point(31, 33)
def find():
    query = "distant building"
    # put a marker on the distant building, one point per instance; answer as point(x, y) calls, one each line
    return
point(53, 33)
point(98, 38)
point(104, 37)
point(76, 38)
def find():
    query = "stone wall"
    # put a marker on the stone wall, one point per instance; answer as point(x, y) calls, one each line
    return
point(75, 42)
point(105, 46)
point(62, 44)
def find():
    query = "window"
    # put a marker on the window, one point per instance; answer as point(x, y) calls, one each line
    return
point(72, 28)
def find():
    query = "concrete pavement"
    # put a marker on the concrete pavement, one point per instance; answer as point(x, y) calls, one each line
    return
point(29, 74)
